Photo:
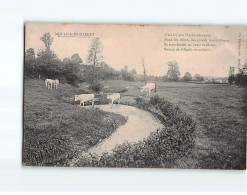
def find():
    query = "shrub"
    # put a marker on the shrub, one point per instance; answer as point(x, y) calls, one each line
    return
point(97, 87)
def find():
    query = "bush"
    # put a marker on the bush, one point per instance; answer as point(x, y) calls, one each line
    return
point(97, 87)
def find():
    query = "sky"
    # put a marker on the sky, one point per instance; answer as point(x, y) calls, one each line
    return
point(130, 44)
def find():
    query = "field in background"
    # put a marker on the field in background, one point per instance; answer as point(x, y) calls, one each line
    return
point(220, 113)
point(56, 129)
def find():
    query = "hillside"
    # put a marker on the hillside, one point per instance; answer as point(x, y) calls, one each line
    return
point(56, 129)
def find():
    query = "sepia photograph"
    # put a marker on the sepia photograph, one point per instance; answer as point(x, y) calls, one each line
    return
point(135, 96)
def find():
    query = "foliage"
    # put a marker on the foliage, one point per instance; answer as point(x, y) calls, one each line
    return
point(96, 87)
point(187, 76)
point(71, 70)
point(47, 39)
point(76, 59)
point(198, 77)
point(173, 71)
point(94, 59)
point(128, 75)
point(231, 79)
point(241, 77)
point(30, 63)
point(47, 64)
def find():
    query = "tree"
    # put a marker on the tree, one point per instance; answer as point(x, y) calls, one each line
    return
point(187, 76)
point(133, 71)
point(30, 53)
point(126, 75)
point(198, 77)
point(47, 39)
point(48, 65)
point(144, 71)
point(231, 77)
point(71, 70)
point(76, 59)
point(173, 71)
point(30, 63)
point(94, 59)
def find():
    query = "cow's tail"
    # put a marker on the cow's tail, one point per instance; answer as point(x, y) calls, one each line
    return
point(155, 87)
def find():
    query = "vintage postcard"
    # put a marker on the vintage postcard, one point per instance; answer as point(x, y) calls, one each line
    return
point(147, 96)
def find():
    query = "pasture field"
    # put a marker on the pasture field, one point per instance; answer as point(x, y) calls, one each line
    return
point(220, 115)
point(56, 129)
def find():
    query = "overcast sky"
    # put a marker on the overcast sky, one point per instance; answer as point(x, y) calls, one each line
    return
point(128, 44)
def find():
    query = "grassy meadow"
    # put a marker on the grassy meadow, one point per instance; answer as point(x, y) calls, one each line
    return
point(56, 129)
point(220, 115)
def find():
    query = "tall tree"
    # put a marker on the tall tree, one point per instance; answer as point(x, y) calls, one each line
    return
point(95, 53)
point(231, 77)
point(94, 58)
point(144, 71)
point(47, 39)
point(173, 71)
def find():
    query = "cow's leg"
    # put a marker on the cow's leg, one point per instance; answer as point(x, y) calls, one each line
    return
point(92, 103)
point(118, 101)
point(83, 104)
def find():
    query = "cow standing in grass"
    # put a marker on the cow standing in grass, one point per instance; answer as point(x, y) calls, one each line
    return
point(148, 88)
point(55, 83)
point(85, 98)
point(114, 97)
point(48, 83)
point(51, 84)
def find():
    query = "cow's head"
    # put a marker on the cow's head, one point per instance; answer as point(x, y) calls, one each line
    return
point(76, 98)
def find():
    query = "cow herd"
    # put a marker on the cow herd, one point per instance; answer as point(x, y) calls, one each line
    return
point(82, 98)
point(51, 84)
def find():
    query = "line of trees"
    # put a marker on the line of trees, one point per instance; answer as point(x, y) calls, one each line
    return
point(240, 78)
point(173, 74)
point(73, 70)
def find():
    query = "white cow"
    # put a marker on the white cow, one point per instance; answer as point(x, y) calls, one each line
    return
point(149, 87)
point(84, 98)
point(51, 84)
point(114, 97)
point(55, 83)
point(48, 83)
